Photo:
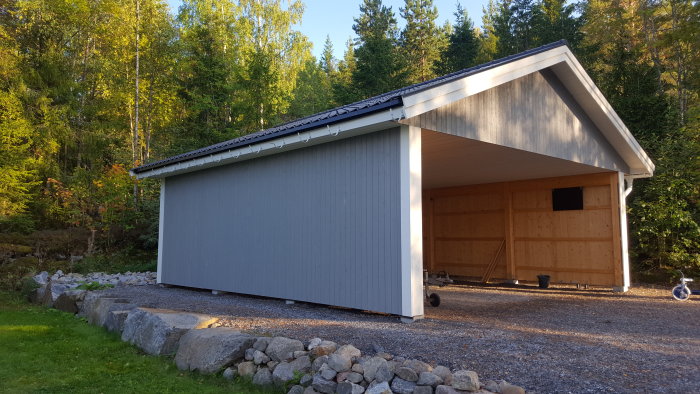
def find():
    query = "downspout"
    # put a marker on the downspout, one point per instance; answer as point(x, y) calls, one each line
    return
point(630, 182)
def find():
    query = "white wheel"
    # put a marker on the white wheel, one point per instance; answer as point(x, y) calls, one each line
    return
point(681, 292)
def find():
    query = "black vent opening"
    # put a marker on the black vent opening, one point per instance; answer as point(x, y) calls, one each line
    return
point(567, 199)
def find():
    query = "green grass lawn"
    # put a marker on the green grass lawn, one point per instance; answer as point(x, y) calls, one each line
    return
point(45, 350)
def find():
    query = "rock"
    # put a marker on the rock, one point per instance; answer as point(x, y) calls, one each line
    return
point(441, 389)
point(115, 321)
point(158, 331)
point(300, 353)
point(41, 278)
point(324, 348)
point(393, 365)
point(507, 388)
point(261, 343)
point(349, 388)
point(272, 365)
point(339, 362)
point(465, 380)
point(246, 369)
point(401, 386)
point(284, 372)
point(385, 356)
point(429, 379)
point(98, 309)
point(341, 376)
point(313, 343)
point(383, 375)
point(423, 390)
point(68, 300)
point(444, 373)
point(306, 380)
point(282, 349)
point(354, 377)
point(349, 351)
point(417, 366)
point(371, 366)
point(310, 390)
point(358, 368)
point(52, 291)
point(323, 385)
point(258, 357)
point(296, 389)
point(379, 388)
point(377, 348)
point(208, 350)
point(316, 365)
point(248, 355)
point(327, 372)
point(407, 374)
point(490, 385)
point(399, 359)
point(263, 377)
point(230, 373)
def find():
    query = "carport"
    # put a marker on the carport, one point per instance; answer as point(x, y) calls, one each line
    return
point(507, 170)
point(545, 198)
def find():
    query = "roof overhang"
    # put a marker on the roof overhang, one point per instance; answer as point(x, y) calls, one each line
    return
point(417, 100)
point(345, 129)
point(572, 75)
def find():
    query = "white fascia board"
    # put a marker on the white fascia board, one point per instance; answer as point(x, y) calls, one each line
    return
point(353, 127)
point(617, 133)
point(433, 98)
point(645, 167)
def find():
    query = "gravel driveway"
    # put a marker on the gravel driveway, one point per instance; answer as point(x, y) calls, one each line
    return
point(555, 340)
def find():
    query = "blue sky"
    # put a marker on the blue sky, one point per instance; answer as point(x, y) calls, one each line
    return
point(335, 18)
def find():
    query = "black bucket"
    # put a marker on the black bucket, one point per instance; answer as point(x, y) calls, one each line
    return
point(543, 280)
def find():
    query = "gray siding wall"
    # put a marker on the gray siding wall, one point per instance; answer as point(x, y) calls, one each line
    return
point(319, 224)
point(534, 113)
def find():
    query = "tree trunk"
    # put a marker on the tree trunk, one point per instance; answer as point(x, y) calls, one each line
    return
point(135, 143)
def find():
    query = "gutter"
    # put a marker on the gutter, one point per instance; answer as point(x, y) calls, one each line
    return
point(291, 139)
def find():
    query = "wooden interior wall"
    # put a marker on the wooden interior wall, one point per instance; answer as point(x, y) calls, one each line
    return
point(464, 226)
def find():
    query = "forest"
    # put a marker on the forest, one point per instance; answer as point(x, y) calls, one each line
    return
point(92, 88)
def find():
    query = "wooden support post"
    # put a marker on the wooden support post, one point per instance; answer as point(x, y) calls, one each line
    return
point(431, 219)
point(511, 274)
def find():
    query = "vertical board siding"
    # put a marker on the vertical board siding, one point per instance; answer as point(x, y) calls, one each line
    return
point(577, 246)
point(534, 113)
point(318, 224)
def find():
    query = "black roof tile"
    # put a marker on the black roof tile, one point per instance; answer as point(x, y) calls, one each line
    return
point(373, 104)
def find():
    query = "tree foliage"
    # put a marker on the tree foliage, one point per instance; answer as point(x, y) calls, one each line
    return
point(90, 88)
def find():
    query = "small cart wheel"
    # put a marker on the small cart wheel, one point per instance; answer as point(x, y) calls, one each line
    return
point(680, 293)
point(434, 299)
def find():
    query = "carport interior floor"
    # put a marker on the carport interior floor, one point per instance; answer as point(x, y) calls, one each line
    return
point(555, 340)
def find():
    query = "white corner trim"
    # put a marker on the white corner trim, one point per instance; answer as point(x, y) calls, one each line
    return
point(352, 127)
point(161, 220)
point(411, 222)
point(623, 229)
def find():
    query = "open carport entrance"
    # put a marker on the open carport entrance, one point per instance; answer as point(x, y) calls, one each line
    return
point(488, 211)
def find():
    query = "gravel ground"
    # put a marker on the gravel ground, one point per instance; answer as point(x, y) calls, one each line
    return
point(555, 340)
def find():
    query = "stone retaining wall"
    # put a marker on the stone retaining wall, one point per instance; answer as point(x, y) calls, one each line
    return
point(287, 364)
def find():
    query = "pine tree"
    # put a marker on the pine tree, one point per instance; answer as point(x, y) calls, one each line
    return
point(463, 44)
point(420, 39)
point(327, 62)
point(379, 67)
point(488, 39)
point(343, 89)
point(313, 92)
